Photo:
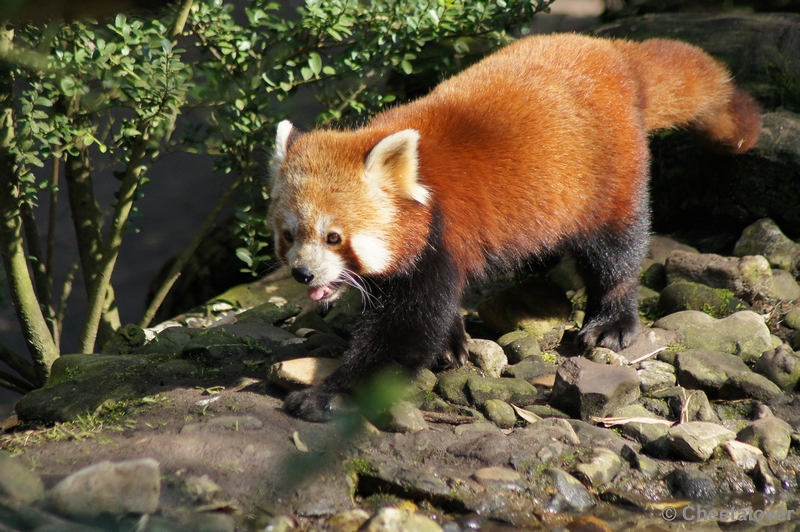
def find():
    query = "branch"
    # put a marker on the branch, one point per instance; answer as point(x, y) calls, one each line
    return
point(18, 364)
point(34, 327)
point(189, 250)
point(40, 273)
point(180, 20)
point(66, 290)
point(51, 223)
point(101, 281)
point(14, 383)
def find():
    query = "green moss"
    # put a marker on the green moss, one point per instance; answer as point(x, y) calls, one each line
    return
point(361, 466)
point(550, 358)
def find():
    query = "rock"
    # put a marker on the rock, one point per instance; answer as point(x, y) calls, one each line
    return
point(692, 484)
point(601, 469)
point(747, 277)
point(301, 372)
point(684, 295)
point(125, 340)
point(201, 487)
point(538, 308)
point(647, 466)
point(518, 345)
point(604, 356)
point(269, 312)
point(498, 476)
point(488, 356)
point(742, 454)
point(687, 404)
point(490, 448)
point(451, 385)
point(652, 436)
point(80, 384)
point(784, 285)
point(500, 413)
point(598, 436)
point(345, 314)
point(585, 389)
point(405, 417)
point(750, 384)
point(565, 274)
point(651, 340)
point(132, 486)
point(546, 411)
point(771, 434)
point(792, 318)
point(661, 247)
point(781, 366)
point(479, 427)
point(764, 478)
point(519, 392)
point(764, 237)
point(654, 277)
point(743, 333)
point(531, 367)
point(419, 389)
point(348, 521)
point(655, 375)
point(389, 519)
point(17, 482)
point(705, 370)
point(697, 440)
point(570, 488)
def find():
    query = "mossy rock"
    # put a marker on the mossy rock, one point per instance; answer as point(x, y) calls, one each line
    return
point(684, 295)
point(269, 313)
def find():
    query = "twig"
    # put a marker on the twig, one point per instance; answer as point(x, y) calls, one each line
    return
point(14, 383)
point(66, 291)
point(648, 355)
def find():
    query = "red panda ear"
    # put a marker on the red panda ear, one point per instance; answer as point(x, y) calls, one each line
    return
point(282, 141)
point(392, 165)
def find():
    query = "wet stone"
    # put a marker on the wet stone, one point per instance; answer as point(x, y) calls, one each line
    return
point(692, 484)
point(601, 469)
point(571, 489)
point(118, 488)
point(488, 356)
point(584, 388)
point(771, 434)
point(697, 440)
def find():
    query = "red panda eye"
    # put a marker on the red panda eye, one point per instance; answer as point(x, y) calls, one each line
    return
point(334, 238)
point(288, 236)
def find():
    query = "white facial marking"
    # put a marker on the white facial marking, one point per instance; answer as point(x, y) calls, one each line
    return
point(393, 164)
point(372, 253)
point(322, 225)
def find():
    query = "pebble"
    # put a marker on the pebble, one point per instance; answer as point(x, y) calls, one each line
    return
point(792, 318)
point(647, 466)
point(770, 434)
point(348, 521)
point(707, 370)
point(498, 476)
point(389, 519)
point(784, 285)
point(488, 356)
point(517, 391)
point(132, 486)
point(301, 372)
point(584, 388)
point(529, 368)
point(518, 345)
point(405, 417)
point(764, 237)
point(500, 413)
point(655, 375)
point(697, 440)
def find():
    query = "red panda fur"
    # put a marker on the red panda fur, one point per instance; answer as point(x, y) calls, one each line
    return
point(539, 148)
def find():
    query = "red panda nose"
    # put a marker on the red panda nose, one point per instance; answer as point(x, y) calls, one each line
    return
point(302, 275)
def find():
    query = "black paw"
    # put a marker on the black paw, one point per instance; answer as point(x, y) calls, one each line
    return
point(616, 335)
point(313, 404)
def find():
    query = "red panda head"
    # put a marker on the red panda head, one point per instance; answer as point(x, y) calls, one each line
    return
point(339, 200)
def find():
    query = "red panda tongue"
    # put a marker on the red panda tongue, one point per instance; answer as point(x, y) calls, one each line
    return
point(315, 293)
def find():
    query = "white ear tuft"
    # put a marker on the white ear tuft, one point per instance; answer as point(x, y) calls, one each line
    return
point(393, 164)
point(285, 129)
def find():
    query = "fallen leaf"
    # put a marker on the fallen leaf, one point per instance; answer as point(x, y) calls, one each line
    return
point(302, 447)
point(528, 416)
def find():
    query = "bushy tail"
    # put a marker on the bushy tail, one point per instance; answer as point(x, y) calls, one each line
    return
point(682, 86)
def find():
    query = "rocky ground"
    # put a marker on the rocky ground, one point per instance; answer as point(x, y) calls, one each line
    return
point(696, 426)
point(180, 427)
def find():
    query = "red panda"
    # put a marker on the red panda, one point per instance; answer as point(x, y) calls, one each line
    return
point(538, 149)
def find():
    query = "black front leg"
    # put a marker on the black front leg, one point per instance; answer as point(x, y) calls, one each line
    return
point(415, 322)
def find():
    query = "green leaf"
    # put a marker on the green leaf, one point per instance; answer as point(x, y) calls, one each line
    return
point(315, 63)
point(243, 255)
point(407, 67)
